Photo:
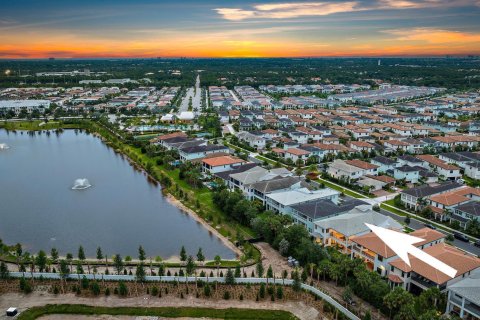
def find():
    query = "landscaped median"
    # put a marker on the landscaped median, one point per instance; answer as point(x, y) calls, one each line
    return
point(167, 312)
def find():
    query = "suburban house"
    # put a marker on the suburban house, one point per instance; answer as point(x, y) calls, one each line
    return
point(296, 154)
point(220, 164)
point(362, 146)
point(420, 276)
point(283, 201)
point(443, 205)
point(469, 161)
point(410, 174)
point(410, 161)
point(243, 180)
point(464, 213)
point(377, 255)
point(254, 141)
point(310, 212)
point(350, 169)
point(196, 152)
point(416, 198)
point(339, 230)
point(464, 297)
point(259, 190)
point(444, 169)
point(375, 183)
point(384, 164)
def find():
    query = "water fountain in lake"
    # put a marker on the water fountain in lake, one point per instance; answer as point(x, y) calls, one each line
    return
point(4, 146)
point(81, 184)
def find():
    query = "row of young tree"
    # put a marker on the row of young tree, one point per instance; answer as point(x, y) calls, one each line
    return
point(328, 263)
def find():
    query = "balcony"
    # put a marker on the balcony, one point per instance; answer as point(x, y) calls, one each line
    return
point(422, 282)
point(469, 307)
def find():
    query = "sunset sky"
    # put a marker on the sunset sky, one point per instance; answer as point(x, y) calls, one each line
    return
point(230, 28)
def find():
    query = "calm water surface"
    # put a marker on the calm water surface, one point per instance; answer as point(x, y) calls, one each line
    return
point(121, 210)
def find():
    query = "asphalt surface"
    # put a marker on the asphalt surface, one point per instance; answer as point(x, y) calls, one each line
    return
point(195, 95)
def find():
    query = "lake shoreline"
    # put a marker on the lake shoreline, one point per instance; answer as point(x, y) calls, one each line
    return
point(232, 253)
point(179, 204)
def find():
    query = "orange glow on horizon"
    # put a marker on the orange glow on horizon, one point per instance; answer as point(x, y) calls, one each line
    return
point(413, 42)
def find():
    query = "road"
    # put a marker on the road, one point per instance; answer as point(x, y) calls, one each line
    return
point(195, 94)
point(416, 224)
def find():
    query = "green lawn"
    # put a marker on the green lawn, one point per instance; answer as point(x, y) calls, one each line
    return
point(394, 210)
point(167, 312)
point(34, 125)
point(341, 189)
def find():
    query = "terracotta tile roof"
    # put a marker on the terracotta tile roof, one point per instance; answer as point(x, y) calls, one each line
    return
point(448, 199)
point(447, 254)
point(396, 143)
point(437, 162)
point(222, 161)
point(361, 164)
point(455, 196)
point(297, 152)
point(169, 136)
point(394, 278)
point(362, 144)
point(373, 243)
point(385, 179)
point(278, 150)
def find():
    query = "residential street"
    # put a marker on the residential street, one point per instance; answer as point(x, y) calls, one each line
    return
point(416, 224)
point(196, 96)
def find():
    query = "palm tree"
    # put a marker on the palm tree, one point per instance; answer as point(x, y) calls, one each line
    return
point(217, 260)
point(311, 266)
point(324, 266)
point(335, 273)
point(69, 260)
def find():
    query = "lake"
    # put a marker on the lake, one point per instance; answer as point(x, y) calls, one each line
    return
point(121, 211)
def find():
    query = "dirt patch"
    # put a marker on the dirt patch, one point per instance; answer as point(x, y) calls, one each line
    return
point(22, 302)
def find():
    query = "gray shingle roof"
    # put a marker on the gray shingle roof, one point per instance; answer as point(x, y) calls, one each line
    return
point(326, 208)
point(426, 190)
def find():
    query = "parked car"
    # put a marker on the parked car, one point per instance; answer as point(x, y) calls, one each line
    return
point(477, 243)
point(461, 237)
point(431, 226)
point(12, 312)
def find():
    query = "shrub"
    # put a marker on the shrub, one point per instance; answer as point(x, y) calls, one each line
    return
point(107, 292)
point(154, 291)
point(226, 295)
point(207, 291)
point(261, 292)
point(84, 283)
point(270, 290)
point(122, 289)
point(95, 288)
point(279, 292)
